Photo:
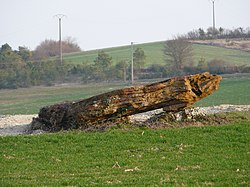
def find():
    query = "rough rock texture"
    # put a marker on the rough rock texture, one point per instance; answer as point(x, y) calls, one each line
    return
point(173, 95)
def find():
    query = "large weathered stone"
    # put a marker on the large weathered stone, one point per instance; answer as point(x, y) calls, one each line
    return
point(173, 95)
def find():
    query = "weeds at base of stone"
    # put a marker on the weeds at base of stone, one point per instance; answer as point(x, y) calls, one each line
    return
point(164, 120)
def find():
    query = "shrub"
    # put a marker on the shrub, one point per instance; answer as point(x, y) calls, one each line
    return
point(219, 66)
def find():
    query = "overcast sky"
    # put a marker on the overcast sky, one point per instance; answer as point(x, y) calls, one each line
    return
point(99, 24)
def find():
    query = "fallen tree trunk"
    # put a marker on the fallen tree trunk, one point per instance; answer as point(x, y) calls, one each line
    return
point(173, 95)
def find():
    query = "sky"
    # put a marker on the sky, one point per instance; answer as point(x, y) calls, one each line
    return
point(96, 24)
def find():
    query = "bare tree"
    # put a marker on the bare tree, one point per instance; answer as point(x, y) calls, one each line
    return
point(139, 58)
point(178, 52)
point(49, 48)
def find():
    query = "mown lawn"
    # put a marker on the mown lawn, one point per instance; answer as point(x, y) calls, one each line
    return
point(193, 156)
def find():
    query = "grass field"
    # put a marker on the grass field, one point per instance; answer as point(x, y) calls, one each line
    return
point(190, 156)
point(154, 53)
point(30, 100)
point(232, 90)
point(193, 156)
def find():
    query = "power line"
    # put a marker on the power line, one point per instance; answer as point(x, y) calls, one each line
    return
point(213, 18)
point(132, 63)
point(60, 16)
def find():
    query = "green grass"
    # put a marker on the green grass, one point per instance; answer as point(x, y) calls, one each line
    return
point(194, 156)
point(232, 90)
point(231, 56)
point(30, 100)
point(154, 53)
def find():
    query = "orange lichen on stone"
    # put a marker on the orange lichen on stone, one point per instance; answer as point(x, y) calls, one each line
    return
point(172, 95)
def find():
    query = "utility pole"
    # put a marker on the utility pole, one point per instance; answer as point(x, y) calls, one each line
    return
point(125, 71)
point(213, 19)
point(60, 16)
point(132, 63)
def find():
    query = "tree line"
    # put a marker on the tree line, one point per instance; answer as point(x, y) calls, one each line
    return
point(218, 33)
point(24, 68)
point(16, 69)
point(179, 58)
point(19, 68)
point(104, 69)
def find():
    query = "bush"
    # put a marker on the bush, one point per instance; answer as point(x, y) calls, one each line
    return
point(244, 69)
point(218, 66)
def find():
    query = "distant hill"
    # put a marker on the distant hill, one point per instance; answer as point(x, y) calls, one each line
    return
point(207, 49)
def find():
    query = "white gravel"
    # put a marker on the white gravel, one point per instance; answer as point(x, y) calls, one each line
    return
point(197, 110)
point(19, 124)
point(14, 120)
point(15, 124)
point(223, 108)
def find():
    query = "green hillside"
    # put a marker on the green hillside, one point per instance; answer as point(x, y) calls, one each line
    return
point(154, 54)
